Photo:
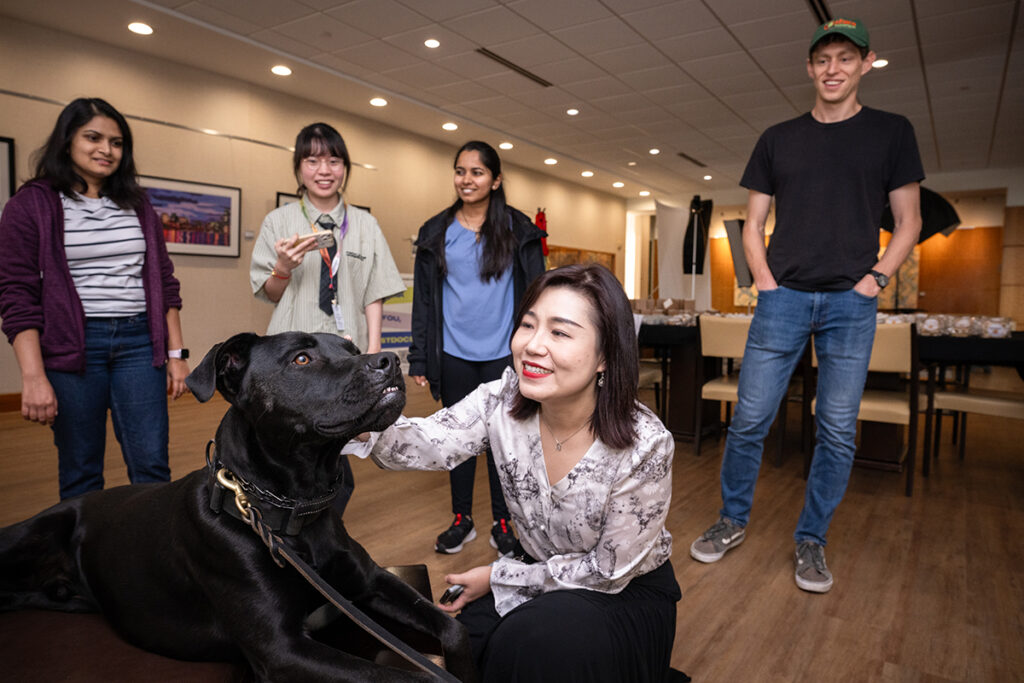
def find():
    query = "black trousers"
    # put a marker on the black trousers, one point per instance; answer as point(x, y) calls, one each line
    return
point(458, 378)
point(579, 635)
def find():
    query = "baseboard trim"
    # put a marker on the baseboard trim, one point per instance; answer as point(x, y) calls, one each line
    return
point(10, 403)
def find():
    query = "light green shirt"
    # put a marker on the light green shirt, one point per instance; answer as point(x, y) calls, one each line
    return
point(366, 272)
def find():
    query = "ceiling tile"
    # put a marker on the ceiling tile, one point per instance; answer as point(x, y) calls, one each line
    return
point(874, 13)
point(677, 93)
point(569, 70)
point(729, 65)
point(286, 43)
point(266, 13)
point(691, 46)
point(492, 26)
point(776, 30)
point(597, 87)
point(672, 19)
point(412, 41)
point(529, 52)
point(596, 36)
point(511, 83)
point(377, 56)
point(756, 99)
point(219, 18)
point(379, 17)
point(442, 10)
point(323, 32)
point(422, 75)
point(342, 66)
point(630, 58)
point(550, 16)
point(733, 11)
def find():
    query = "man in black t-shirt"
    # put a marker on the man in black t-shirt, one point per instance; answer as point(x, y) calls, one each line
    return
point(830, 172)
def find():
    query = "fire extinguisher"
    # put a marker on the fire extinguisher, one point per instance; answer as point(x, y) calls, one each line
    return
point(541, 221)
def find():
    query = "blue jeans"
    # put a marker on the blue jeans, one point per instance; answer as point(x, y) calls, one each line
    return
point(843, 328)
point(119, 376)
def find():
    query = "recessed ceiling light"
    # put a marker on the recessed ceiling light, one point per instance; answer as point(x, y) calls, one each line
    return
point(618, 183)
point(880, 63)
point(432, 43)
point(140, 28)
point(632, 163)
point(654, 150)
point(550, 161)
point(280, 70)
point(379, 102)
point(506, 145)
point(587, 174)
point(450, 126)
point(572, 112)
point(645, 193)
point(707, 177)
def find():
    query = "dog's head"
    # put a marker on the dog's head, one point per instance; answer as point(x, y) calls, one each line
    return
point(303, 387)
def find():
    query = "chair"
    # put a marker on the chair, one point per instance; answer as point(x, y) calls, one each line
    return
point(651, 377)
point(894, 351)
point(726, 338)
point(963, 400)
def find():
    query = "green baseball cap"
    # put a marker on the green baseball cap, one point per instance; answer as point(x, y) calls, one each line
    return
point(852, 29)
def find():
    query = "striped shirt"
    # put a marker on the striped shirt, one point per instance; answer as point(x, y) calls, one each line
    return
point(105, 251)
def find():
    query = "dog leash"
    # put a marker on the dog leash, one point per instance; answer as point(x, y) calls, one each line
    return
point(278, 550)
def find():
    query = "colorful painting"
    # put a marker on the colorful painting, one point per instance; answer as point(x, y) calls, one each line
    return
point(198, 218)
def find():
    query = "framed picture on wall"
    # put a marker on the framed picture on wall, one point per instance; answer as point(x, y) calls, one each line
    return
point(6, 170)
point(198, 218)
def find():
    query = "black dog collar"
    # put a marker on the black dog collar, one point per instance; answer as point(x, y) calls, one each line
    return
point(285, 516)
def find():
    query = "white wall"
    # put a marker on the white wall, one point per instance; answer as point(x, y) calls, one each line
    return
point(413, 180)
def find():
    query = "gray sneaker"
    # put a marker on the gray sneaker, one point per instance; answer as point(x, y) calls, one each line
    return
point(812, 573)
point(722, 537)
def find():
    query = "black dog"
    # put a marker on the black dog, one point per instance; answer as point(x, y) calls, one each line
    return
point(176, 574)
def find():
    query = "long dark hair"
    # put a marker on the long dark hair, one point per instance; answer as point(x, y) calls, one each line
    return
point(498, 241)
point(316, 139)
point(53, 159)
point(616, 406)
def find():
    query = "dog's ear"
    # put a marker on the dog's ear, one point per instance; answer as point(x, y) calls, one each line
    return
point(222, 368)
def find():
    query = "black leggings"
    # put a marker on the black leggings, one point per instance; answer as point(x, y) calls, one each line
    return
point(458, 378)
point(579, 635)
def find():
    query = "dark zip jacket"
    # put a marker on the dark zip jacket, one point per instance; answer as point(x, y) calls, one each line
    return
point(427, 325)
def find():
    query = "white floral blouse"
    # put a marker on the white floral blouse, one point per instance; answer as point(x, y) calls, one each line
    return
point(598, 528)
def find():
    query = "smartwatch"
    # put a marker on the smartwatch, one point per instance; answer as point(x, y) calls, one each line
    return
point(178, 353)
point(881, 278)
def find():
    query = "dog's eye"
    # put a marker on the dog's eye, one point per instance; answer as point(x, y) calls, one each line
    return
point(302, 359)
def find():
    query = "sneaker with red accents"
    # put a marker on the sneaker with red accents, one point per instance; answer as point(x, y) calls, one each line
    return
point(502, 538)
point(452, 539)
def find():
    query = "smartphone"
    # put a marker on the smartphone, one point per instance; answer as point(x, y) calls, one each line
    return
point(324, 240)
point(452, 594)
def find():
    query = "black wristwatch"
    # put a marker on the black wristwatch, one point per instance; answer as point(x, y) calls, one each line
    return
point(178, 353)
point(881, 278)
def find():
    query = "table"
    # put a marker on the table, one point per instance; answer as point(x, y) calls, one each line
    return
point(938, 352)
point(677, 347)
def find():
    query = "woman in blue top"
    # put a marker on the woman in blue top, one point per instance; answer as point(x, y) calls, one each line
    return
point(474, 260)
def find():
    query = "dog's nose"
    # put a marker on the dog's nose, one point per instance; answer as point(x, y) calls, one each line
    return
point(382, 361)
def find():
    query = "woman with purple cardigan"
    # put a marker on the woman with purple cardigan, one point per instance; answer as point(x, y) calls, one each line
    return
point(89, 301)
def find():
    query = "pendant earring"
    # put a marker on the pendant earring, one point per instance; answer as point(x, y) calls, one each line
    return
point(600, 379)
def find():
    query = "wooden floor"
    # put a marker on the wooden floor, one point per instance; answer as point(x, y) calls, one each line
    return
point(929, 588)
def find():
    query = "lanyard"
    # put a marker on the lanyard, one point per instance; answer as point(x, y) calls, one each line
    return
point(324, 254)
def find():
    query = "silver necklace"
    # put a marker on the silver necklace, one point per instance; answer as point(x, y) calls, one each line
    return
point(558, 444)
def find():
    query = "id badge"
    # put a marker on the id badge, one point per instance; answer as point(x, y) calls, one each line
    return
point(339, 317)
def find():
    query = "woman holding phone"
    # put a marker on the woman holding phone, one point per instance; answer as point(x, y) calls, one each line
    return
point(322, 262)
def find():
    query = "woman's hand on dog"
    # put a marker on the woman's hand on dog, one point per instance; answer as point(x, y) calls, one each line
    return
point(477, 582)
